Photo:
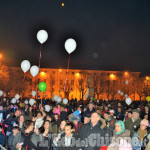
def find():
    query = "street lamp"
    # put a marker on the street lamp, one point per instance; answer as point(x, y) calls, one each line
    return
point(77, 75)
point(112, 76)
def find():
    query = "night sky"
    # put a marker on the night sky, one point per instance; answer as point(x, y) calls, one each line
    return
point(110, 34)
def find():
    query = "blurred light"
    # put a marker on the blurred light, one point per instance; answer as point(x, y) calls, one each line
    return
point(126, 73)
point(42, 73)
point(62, 4)
point(77, 75)
point(60, 70)
point(0, 55)
point(147, 77)
point(112, 76)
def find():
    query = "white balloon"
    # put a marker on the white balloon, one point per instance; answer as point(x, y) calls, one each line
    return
point(17, 101)
point(55, 97)
point(17, 96)
point(70, 45)
point(128, 101)
point(4, 94)
point(119, 91)
point(33, 93)
point(59, 99)
point(31, 101)
point(47, 108)
point(42, 36)
point(1, 92)
point(25, 65)
point(126, 95)
point(34, 70)
point(65, 101)
point(13, 101)
point(26, 102)
point(126, 82)
point(86, 96)
point(4, 99)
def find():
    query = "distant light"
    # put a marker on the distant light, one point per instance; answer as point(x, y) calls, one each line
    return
point(62, 4)
point(126, 73)
point(0, 55)
point(112, 76)
point(60, 70)
point(77, 75)
point(147, 77)
point(42, 73)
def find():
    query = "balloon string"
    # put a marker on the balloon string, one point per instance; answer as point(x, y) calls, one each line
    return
point(40, 55)
point(67, 72)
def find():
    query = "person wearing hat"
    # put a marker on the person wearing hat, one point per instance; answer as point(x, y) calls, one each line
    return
point(139, 134)
point(90, 109)
point(75, 120)
point(134, 122)
point(87, 118)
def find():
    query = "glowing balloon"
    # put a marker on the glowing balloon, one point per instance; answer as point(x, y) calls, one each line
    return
point(59, 99)
point(148, 98)
point(128, 101)
point(34, 70)
point(86, 96)
point(55, 97)
point(42, 86)
point(1, 92)
point(17, 96)
point(42, 36)
point(70, 45)
point(126, 82)
point(25, 65)
point(119, 91)
point(33, 93)
point(26, 102)
point(31, 101)
point(65, 101)
point(47, 108)
point(13, 101)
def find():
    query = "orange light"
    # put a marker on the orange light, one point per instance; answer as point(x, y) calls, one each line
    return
point(77, 75)
point(60, 70)
point(147, 78)
point(42, 73)
point(62, 4)
point(126, 73)
point(0, 55)
point(112, 76)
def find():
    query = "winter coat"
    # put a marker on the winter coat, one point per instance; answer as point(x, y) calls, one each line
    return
point(91, 133)
point(130, 125)
point(119, 115)
point(10, 141)
point(88, 112)
point(2, 139)
point(19, 138)
point(61, 142)
point(118, 139)
point(77, 130)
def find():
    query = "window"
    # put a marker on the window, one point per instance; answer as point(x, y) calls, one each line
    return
point(72, 82)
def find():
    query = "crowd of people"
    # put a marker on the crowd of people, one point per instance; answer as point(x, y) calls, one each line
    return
point(78, 125)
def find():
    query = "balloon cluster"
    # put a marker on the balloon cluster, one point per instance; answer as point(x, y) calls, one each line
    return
point(59, 99)
point(25, 66)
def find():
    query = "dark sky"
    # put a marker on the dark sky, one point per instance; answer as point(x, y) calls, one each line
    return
point(110, 34)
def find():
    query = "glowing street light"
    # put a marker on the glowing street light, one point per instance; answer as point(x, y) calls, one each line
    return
point(147, 77)
point(60, 70)
point(126, 73)
point(42, 73)
point(112, 76)
point(62, 4)
point(77, 75)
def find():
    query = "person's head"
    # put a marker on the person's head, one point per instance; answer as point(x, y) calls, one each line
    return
point(39, 115)
point(74, 118)
point(42, 109)
point(135, 114)
point(62, 125)
point(119, 104)
point(47, 125)
point(146, 116)
point(129, 114)
point(106, 108)
point(111, 113)
point(48, 118)
point(62, 108)
point(21, 118)
point(144, 124)
point(17, 113)
point(28, 126)
point(91, 106)
point(146, 108)
point(69, 128)
point(119, 127)
point(95, 118)
point(54, 108)
point(119, 109)
point(26, 106)
point(106, 115)
point(86, 120)
point(1, 107)
point(1, 127)
point(15, 130)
